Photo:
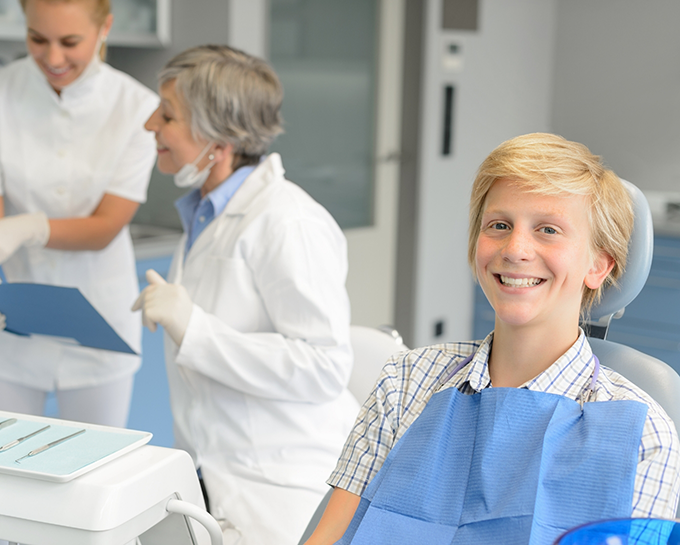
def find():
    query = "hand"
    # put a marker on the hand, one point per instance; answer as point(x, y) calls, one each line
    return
point(3, 321)
point(22, 230)
point(166, 304)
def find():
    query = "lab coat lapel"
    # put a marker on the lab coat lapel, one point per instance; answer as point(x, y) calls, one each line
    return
point(267, 172)
point(176, 272)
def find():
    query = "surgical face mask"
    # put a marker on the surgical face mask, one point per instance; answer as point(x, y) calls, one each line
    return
point(190, 176)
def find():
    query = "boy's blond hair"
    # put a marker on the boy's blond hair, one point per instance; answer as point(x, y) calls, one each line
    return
point(548, 164)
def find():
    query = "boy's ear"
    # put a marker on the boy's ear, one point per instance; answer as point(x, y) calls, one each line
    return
point(602, 266)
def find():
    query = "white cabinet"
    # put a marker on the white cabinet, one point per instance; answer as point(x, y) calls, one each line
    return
point(136, 23)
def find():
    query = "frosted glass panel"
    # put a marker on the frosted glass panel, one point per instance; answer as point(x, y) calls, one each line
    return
point(324, 53)
point(137, 23)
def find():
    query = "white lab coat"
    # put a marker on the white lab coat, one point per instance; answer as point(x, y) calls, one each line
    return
point(61, 154)
point(258, 386)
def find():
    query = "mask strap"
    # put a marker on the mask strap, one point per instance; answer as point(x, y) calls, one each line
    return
point(200, 155)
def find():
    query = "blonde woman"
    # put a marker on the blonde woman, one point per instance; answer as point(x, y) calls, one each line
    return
point(75, 163)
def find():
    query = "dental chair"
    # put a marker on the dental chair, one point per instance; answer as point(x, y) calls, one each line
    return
point(655, 377)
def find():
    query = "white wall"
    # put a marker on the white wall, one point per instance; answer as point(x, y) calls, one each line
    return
point(503, 90)
point(617, 85)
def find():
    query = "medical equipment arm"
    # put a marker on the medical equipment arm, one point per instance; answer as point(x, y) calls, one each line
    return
point(22, 230)
point(166, 304)
point(298, 270)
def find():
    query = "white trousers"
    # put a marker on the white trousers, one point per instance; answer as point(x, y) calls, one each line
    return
point(106, 404)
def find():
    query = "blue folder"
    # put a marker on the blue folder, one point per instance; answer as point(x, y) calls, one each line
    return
point(57, 311)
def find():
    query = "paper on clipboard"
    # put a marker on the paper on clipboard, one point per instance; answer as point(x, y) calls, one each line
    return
point(40, 309)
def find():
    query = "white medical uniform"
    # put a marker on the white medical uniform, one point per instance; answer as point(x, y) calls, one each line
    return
point(61, 154)
point(258, 385)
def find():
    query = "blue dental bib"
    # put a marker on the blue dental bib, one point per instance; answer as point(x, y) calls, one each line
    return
point(506, 465)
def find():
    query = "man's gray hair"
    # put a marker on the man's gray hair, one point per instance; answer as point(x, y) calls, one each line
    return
point(232, 97)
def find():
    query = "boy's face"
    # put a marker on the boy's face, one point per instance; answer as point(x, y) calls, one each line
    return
point(533, 256)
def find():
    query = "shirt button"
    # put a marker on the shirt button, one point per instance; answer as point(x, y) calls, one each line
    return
point(64, 113)
point(201, 219)
point(61, 153)
point(61, 190)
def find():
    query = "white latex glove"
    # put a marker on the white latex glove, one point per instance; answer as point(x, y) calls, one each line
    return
point(3, 321)
point(22, 230)
point(166, 304)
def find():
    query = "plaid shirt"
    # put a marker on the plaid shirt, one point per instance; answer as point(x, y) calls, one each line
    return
point(409, 380)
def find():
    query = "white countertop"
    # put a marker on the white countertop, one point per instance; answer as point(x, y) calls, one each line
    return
point(151, 241)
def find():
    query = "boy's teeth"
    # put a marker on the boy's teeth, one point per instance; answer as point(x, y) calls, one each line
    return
point(519, 282)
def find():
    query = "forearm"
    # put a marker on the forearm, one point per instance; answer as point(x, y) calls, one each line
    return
point(336, 518)
point(91, 233)
point(96, 231)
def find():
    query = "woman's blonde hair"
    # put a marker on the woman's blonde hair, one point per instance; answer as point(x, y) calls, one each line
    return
point(232, 98)
point(100, 11)
point(548, 164)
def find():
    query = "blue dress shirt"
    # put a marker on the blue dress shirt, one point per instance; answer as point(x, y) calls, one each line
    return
point(196, 213)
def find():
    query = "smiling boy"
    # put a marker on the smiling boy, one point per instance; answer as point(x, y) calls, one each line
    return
point(508, 438)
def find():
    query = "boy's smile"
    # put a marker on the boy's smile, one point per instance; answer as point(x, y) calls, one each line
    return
point(534, 256)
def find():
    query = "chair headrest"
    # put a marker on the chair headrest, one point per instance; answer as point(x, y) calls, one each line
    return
point(640, 251)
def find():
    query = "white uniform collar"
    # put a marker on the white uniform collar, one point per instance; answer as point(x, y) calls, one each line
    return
point(83, 85)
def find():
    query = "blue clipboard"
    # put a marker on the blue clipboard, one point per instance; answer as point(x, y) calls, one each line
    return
point(40, 309)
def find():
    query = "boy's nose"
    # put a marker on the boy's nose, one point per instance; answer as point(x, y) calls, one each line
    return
point(518, 246)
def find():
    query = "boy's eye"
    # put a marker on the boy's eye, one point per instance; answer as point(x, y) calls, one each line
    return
point(69, 44)
point(549, 230)
point(499, 226)
point(37, 40)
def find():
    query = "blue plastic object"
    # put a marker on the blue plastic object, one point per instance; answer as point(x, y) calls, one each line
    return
point(624, 532)
point(59, 312)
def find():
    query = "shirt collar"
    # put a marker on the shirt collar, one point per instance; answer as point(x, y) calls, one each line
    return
point(568, 376)
point(83, 85)
point(219, 197)
point(222, 193)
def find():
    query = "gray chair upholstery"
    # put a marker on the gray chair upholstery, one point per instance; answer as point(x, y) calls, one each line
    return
point(640, 251)
point(654, 376)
